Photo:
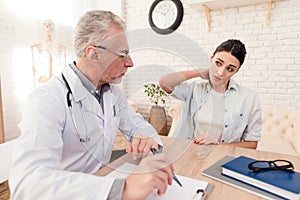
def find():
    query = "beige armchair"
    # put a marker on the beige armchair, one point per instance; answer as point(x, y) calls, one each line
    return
point(174, 112)
point(280, 131)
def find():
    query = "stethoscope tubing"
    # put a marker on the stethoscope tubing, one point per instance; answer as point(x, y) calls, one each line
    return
point(69, 103)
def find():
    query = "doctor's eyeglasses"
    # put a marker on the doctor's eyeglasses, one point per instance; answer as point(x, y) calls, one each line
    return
point(263, 165)
point(117, 53)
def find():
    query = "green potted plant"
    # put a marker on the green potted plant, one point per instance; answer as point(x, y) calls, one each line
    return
point(157, 118)
point(155, 93)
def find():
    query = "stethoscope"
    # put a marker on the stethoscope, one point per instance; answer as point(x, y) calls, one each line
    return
point(69, 103)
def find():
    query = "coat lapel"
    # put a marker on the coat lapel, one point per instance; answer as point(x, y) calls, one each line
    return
point(81, 95)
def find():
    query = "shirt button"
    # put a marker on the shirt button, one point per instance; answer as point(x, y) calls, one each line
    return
point(226, 126)
point(223, 140)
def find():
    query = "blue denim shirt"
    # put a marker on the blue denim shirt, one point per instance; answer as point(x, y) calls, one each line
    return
point(242, 111)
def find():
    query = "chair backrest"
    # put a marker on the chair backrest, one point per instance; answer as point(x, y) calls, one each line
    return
point(174, 111)
point(6, 150)
point(281, 130)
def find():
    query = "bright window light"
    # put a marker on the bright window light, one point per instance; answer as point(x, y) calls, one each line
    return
point(22, 70)
point(58, 10)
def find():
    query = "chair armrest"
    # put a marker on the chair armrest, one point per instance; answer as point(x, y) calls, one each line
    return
point(174, 112)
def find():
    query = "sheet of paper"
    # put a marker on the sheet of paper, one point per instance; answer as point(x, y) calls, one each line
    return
point(188, 191)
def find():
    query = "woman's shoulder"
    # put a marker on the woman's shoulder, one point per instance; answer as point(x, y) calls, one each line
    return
point(191, 85)
point(200, 83)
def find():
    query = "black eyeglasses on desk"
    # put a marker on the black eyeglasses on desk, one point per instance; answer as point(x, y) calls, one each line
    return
point(263, 165)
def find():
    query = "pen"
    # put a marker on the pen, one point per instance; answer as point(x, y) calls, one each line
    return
point(174, 176)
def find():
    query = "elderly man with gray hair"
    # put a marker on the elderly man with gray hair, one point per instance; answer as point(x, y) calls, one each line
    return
point(70, 124)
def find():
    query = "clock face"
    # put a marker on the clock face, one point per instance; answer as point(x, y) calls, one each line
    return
point(165, 16)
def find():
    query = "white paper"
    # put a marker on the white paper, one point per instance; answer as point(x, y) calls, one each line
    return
point(188, 191)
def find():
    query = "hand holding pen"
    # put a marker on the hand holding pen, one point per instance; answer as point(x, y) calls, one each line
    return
point(139, 146)
point(154, 173)
point(154, 151)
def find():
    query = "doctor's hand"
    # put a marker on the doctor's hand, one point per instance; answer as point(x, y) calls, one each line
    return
point(153, 172)
point(140, 146)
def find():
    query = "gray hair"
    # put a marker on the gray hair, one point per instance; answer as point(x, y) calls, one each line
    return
point(91, 29)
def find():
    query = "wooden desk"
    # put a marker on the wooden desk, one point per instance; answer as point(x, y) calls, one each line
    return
point(185, 156)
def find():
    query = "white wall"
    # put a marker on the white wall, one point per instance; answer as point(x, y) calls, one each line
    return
point(20, 27)
point(272, 65)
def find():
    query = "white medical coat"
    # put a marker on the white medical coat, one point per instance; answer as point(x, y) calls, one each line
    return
point(49, 161)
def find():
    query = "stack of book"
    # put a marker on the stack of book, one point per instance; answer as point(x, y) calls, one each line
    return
point(285, 184)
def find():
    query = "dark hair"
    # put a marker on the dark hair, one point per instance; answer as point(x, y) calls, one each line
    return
point(235, 47)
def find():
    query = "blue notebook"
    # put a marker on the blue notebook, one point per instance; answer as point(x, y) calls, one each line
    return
point(282, 183)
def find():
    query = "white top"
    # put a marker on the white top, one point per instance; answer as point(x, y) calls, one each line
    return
point(210, 118)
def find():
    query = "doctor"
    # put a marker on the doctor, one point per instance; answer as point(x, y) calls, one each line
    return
point(70, 123)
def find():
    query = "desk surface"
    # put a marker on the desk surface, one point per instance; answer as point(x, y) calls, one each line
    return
point(187, 162)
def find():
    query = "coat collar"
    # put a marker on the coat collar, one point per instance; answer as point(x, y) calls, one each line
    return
point(81, 95)
point(78, 90)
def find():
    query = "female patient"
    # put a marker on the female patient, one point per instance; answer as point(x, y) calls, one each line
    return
point(216, 109)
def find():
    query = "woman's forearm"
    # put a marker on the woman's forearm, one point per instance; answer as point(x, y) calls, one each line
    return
point(246, 144)
point(169, 81)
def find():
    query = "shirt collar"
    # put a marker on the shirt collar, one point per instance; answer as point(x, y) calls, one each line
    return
point(232, 85)
point(86, 82)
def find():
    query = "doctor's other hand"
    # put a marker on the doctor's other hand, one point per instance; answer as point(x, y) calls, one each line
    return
point(153, 173)
point(140, 146)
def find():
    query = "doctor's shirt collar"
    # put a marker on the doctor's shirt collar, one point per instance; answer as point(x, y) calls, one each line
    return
point(85, 81)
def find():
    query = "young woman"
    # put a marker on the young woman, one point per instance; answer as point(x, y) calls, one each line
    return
point(215, 108)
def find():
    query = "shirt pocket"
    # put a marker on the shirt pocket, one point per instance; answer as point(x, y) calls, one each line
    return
point(116, 118)
point(239, 121)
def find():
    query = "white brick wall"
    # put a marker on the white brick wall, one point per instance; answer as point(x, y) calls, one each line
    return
point(272, 65)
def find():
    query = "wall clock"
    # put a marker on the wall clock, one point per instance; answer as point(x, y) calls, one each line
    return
point(165, 16)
